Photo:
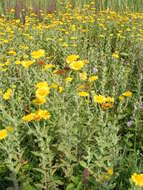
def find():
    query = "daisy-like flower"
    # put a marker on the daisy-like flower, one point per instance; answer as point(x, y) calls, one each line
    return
point(27, 64)
point(99, 99)
point(68, 79)
point(49, 66)
point(83, 76)
point(110, 171)
point(72, 58)
point(93, 78)
point(10, 129)
point(3, 134)
point(83, 94)
point(77, 65)
point(7, 95)
point(54, 86)
point(42, 114)
point(42, 92)
point(115, 55)
point(39, 101)
point(38, 54)
point(41, 84)
point(127, 94)
point(60, 89)
point(121, 98)
point(29, 117)
point(137, 179)
point(109, 99)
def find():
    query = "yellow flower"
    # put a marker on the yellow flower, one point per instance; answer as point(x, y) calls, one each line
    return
point(10, 129)
point(83, 94)
point(37, 116)
point(72, 58)
point(121, 98)
point(38, 54)
point(99, 99)
point(68, 79)
point(41, 84)
point(60, 89)
point(109, 99)
point(39, 101)
point(83, 76)
point(12, 52)
point(110, 171)
point(3, 134)
point(17, 62)
point(7, 94)
point(42, 92)
point(27, 64)
point(48, 66)
point(7, 62)
point(54, 86)
point(93, 78)
point(29, 117)
point(115, 55)
point(64, 44)
point(77, 65)
point(106, 177)
point(137, 179)
point(127, 94)
point(42, 114)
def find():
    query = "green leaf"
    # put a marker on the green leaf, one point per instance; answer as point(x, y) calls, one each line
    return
point(70, 187)
point(83, 164)
point(27, 186)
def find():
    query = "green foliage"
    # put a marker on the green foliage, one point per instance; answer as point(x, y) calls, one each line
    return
point(87, 142)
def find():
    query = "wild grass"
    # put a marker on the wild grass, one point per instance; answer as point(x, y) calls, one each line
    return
point(117, 5)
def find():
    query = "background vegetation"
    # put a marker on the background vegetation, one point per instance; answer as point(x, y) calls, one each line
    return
point(71, 95)
point(118, 5)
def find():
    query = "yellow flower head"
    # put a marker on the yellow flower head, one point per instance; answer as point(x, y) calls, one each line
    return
point(83, 94)
point(29, 117)
point(12, 52)
point(3, 134)
point(60, 89)
point(109, 99)
point(42, 114)
point(7, 95)
point(54, 85)
point(39, 101)
point(42, 92)
point(115, 55)
point(49, 66)
point(68, 79)
point(27, 64)
point(137, 179)
point(99, 99)
point(77, 65)
point(10, 129)
point(72, 58)
point(83, 76)
point(41, 84)
point(127, 94)
point(110, 171)
point(38, 54)
point(121, 98)
point(93, 78)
